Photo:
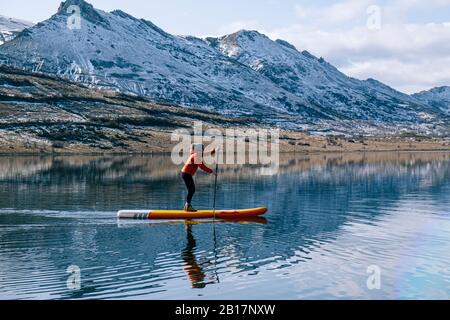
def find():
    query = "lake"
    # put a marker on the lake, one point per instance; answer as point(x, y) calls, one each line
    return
point(339, 226)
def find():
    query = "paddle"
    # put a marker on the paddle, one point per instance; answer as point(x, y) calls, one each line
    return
point(214, 215)
point(215, 189)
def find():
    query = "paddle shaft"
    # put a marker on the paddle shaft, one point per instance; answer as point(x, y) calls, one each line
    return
point(214, 220)
point(215, 189)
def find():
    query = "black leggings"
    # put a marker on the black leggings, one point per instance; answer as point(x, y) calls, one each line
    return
point(190, 185)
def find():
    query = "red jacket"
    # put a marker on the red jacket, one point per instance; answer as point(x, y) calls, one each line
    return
point(191, 166)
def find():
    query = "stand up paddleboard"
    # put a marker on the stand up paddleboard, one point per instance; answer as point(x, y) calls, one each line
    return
point(180, 214)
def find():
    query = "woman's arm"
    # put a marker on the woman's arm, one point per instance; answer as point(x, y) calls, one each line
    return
point(205, 168)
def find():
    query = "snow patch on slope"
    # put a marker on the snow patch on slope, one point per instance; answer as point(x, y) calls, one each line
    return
point(437, 97)
point(10, 27)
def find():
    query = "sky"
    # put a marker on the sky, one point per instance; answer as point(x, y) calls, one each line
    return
point(403, 43)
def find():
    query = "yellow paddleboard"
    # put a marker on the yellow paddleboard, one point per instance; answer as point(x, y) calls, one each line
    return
point(180, 214)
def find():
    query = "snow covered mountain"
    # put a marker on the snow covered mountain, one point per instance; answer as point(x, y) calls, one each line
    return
point(437, 97)
point(317, 81)
point(117, 50)
point(10, 27)
point(244, 73)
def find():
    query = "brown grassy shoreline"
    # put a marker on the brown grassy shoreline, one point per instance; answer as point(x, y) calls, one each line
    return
point(159, 142)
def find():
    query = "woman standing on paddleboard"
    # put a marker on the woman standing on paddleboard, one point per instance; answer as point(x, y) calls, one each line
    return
point(194, 162)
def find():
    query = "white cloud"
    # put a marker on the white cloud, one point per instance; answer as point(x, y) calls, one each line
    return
point(337, 13)
point(421, 3)
point(238, 25)
point(409, 57)
point(404, 76)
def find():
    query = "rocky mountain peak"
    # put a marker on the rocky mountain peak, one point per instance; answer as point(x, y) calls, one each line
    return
point(86, 10)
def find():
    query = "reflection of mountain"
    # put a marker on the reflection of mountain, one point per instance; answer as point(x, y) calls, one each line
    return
point(310, 201)
point(136, 168)
point(23, 167)
point(110, 183)
point(101, 182)
point(308, 208)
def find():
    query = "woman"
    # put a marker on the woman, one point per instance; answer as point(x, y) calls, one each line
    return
point(194, 162)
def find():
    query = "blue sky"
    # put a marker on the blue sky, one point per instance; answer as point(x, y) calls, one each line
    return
point(409, 49)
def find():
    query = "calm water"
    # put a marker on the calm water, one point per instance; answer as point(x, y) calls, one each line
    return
point(330, 218)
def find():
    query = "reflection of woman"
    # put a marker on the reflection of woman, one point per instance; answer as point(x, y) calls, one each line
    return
point(192, 267)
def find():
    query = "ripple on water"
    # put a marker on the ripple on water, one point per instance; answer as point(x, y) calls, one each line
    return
point(326, 224)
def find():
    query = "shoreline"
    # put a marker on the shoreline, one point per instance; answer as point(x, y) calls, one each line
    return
point(168, 153)
point(157, 142)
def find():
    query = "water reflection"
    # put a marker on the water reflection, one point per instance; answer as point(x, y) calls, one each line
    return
point(193, 268)
point(330, 216)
